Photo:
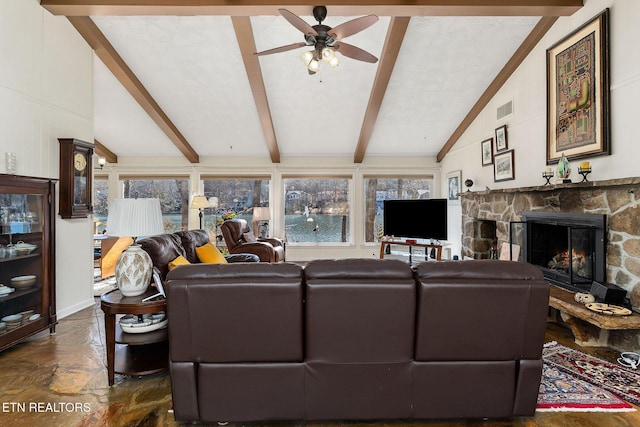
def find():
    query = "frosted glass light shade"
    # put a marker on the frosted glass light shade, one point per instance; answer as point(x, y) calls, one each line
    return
point(134, 218)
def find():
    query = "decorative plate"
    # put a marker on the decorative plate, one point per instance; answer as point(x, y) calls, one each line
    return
point(614, 310)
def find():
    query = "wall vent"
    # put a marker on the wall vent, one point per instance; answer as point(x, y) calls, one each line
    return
point(504, 110)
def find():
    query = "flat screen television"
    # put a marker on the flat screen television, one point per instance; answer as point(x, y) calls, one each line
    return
point(419, 219)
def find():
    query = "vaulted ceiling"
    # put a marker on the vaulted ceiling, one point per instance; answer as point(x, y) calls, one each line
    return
point(181, 78)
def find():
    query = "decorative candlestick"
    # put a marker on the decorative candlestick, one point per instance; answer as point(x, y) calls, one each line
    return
point(584, 172)
point(548, 174)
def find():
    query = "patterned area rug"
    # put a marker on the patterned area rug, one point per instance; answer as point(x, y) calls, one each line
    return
point(575, 381)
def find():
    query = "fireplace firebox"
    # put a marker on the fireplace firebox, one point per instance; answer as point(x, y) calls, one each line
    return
point(569, 248)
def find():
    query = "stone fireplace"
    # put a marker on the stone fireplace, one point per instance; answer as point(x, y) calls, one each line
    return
point(487, 218)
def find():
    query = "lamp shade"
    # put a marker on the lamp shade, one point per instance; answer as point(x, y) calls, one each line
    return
point(199, 202)
point(213, 202)
point(134, 217)
point(261, 214)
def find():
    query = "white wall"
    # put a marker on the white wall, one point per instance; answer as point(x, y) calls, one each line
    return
point(45, 94)
point(527, 125)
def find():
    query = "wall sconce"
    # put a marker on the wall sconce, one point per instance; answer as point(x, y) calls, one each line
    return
point(101, 162)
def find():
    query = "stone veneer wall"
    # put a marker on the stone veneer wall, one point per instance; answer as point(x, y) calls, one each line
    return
point(619, 199)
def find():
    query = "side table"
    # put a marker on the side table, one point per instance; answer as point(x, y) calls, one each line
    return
point(139, 354)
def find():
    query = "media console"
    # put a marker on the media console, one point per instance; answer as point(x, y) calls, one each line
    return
point(437, 247)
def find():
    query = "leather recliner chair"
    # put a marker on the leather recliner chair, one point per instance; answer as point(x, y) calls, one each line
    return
point(239, 239)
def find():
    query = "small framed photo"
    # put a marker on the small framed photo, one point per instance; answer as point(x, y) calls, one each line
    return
point(454, 180)
point(503, 166)
point(501, 139)
point(487, 152)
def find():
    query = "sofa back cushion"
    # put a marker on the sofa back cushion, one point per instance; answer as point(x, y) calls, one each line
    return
point(235, 313)
point(359, 310)
point(190, 240)
point(163, 249)
point(480, 310)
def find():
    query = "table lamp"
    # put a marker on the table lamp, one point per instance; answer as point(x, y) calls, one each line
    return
point(200, 203)
point(259, 214)
point(134, 218)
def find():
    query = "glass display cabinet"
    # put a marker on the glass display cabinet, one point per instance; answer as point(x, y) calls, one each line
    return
point(27, 257)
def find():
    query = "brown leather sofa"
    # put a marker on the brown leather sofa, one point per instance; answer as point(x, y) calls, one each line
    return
point(164, 248)
point(239, 239)
point(355, 339)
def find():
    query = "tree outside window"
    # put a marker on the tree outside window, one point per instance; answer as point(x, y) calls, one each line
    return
point(379, 189)
point(316, 209)
point(173, 194)
point(236, 197)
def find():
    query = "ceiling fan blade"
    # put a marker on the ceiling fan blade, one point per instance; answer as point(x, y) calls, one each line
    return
point(354, 52)
point(282, 48)
point(297, 22)
point(349, 28)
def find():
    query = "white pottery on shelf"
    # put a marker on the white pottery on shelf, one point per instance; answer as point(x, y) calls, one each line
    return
point(133, 271)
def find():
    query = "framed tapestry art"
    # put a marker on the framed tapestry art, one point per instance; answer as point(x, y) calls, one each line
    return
point(487, 152)
point(503, 167)
point(578, 93)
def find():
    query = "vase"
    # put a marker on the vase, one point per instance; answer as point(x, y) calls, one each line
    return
point(133, 271)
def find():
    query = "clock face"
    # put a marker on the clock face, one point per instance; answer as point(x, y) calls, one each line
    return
point(79, 161)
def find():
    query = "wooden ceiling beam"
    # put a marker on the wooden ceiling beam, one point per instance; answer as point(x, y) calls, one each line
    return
point(393, 42)
point(304, 7)
point(108, 55)
point(516, 59)
point(246, 41)
point(103, 151)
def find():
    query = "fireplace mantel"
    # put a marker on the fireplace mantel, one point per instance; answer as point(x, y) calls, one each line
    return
point(486, 216)
point(610, 183)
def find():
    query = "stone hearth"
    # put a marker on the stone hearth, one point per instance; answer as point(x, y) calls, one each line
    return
point(619, 199)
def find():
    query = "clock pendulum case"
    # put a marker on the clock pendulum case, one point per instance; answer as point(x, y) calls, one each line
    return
point(75, 178)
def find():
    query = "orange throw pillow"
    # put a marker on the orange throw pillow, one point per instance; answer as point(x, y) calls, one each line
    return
point(180, 260)
point(209, 254)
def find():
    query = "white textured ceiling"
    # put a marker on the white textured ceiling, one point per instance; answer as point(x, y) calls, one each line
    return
point(193, 68)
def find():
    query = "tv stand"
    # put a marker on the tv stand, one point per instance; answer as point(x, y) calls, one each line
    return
point(384, 243)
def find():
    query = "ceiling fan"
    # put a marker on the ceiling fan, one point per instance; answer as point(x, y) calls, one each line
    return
point(326, 41)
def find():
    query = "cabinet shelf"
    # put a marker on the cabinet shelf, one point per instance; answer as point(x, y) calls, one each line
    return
point(31, 198)
point(20, 257)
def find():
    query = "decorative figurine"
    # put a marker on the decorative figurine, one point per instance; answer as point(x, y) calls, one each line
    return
point(564, 169)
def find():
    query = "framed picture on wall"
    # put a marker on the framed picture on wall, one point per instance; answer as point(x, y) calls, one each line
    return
point(578, 111)
point(487, 152)
point(501, 139)
point(454, 180)
point(503, 167)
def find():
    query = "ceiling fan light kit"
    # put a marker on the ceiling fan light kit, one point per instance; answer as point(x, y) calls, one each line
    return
point(324, 39)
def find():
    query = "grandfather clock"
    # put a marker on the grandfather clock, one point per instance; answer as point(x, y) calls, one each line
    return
point(75, 178)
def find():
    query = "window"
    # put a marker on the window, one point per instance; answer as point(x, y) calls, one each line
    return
point(378, 189)
point(100, 203)
point(316, 209)
point(173, 193)
point(236, 196)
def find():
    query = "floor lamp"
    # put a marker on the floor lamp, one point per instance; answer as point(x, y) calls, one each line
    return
point(200, 203)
